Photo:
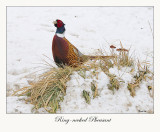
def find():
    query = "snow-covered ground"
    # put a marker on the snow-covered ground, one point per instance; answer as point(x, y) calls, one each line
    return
point(29, 37)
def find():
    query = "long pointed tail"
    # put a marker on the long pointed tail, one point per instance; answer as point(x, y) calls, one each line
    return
point(100, 57)
point(87, 57)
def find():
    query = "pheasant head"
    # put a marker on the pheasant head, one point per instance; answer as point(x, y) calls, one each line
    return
point(60, 26)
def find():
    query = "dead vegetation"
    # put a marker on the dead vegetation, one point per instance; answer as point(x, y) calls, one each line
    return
point(114, 83)
point(50, 88)
point(141, 75)
point(86, 96)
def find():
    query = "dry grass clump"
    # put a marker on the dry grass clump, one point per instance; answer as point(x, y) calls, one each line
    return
point(141, 75)
point(105, 65)
point(49, 90)
point(124, 59)
point(86, 96)
point(114, 83)
point(121, 58)
point(94, 88)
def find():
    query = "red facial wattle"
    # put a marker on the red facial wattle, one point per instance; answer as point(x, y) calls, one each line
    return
point(59, 23)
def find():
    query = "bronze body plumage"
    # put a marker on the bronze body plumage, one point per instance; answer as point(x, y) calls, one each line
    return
point(64, 53)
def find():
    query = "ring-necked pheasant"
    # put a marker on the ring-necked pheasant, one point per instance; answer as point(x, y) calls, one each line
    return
point(64, 53)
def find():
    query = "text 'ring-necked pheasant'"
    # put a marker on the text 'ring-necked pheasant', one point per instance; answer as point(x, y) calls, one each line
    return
point(64, 53)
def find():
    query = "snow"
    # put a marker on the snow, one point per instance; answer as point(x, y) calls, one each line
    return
point(18, 105)
point(29, 37)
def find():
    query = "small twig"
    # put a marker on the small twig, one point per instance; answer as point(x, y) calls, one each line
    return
point(150, 28)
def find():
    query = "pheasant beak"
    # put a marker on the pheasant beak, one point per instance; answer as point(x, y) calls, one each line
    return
point(54, 22)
